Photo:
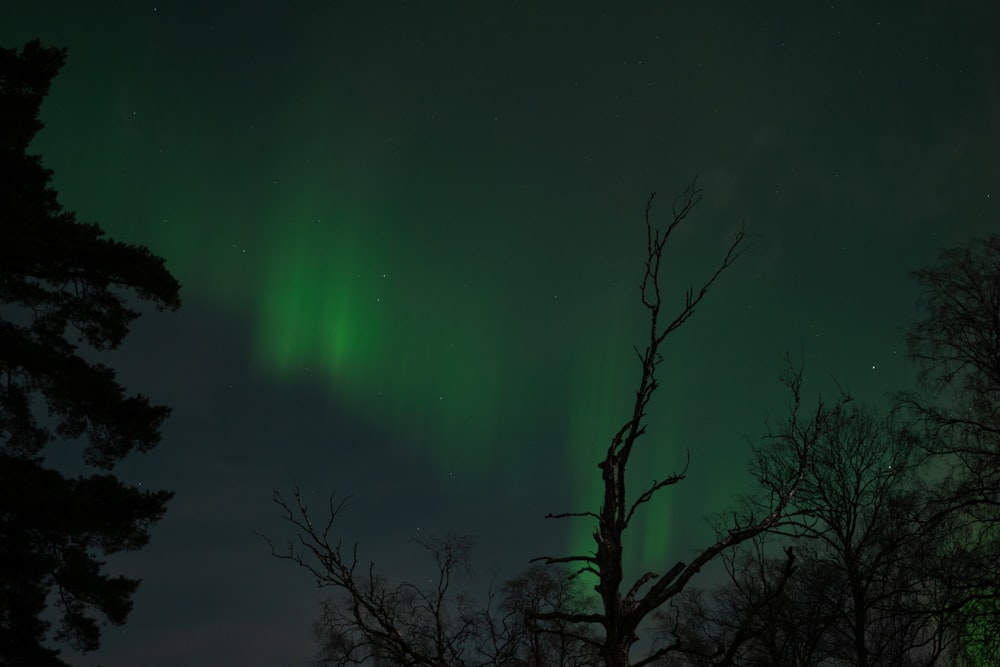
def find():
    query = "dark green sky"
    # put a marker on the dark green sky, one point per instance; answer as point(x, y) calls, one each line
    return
point(410, 238)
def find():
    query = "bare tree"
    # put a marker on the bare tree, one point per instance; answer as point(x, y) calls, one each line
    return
point(513, 636)
point(956, 344)
point(775, 608)
point(368, 620)
point(622, 610)
point(759, 617)
point(863, 512)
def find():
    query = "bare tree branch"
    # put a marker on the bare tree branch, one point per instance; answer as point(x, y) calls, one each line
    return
point(620, 616)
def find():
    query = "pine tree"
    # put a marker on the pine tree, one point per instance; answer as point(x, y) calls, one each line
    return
point(66, 292)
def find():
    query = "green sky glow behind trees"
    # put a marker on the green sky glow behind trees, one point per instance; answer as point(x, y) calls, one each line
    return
point(433, 217)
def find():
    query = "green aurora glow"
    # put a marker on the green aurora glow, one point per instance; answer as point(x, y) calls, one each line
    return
point(437, 219)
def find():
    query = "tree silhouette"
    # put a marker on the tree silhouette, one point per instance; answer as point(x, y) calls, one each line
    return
point(762, 616)
point(369, 620)
point(956, 344)
point(622, 612)
point(859, 511)
point(63, 285)
point(536, 643)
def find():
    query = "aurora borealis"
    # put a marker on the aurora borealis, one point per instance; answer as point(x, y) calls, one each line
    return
point(410, 237)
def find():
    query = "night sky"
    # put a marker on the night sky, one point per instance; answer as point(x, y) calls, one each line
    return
point(410, 238)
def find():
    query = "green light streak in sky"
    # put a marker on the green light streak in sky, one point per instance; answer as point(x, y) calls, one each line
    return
point(318, 307)
point(348, 297)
